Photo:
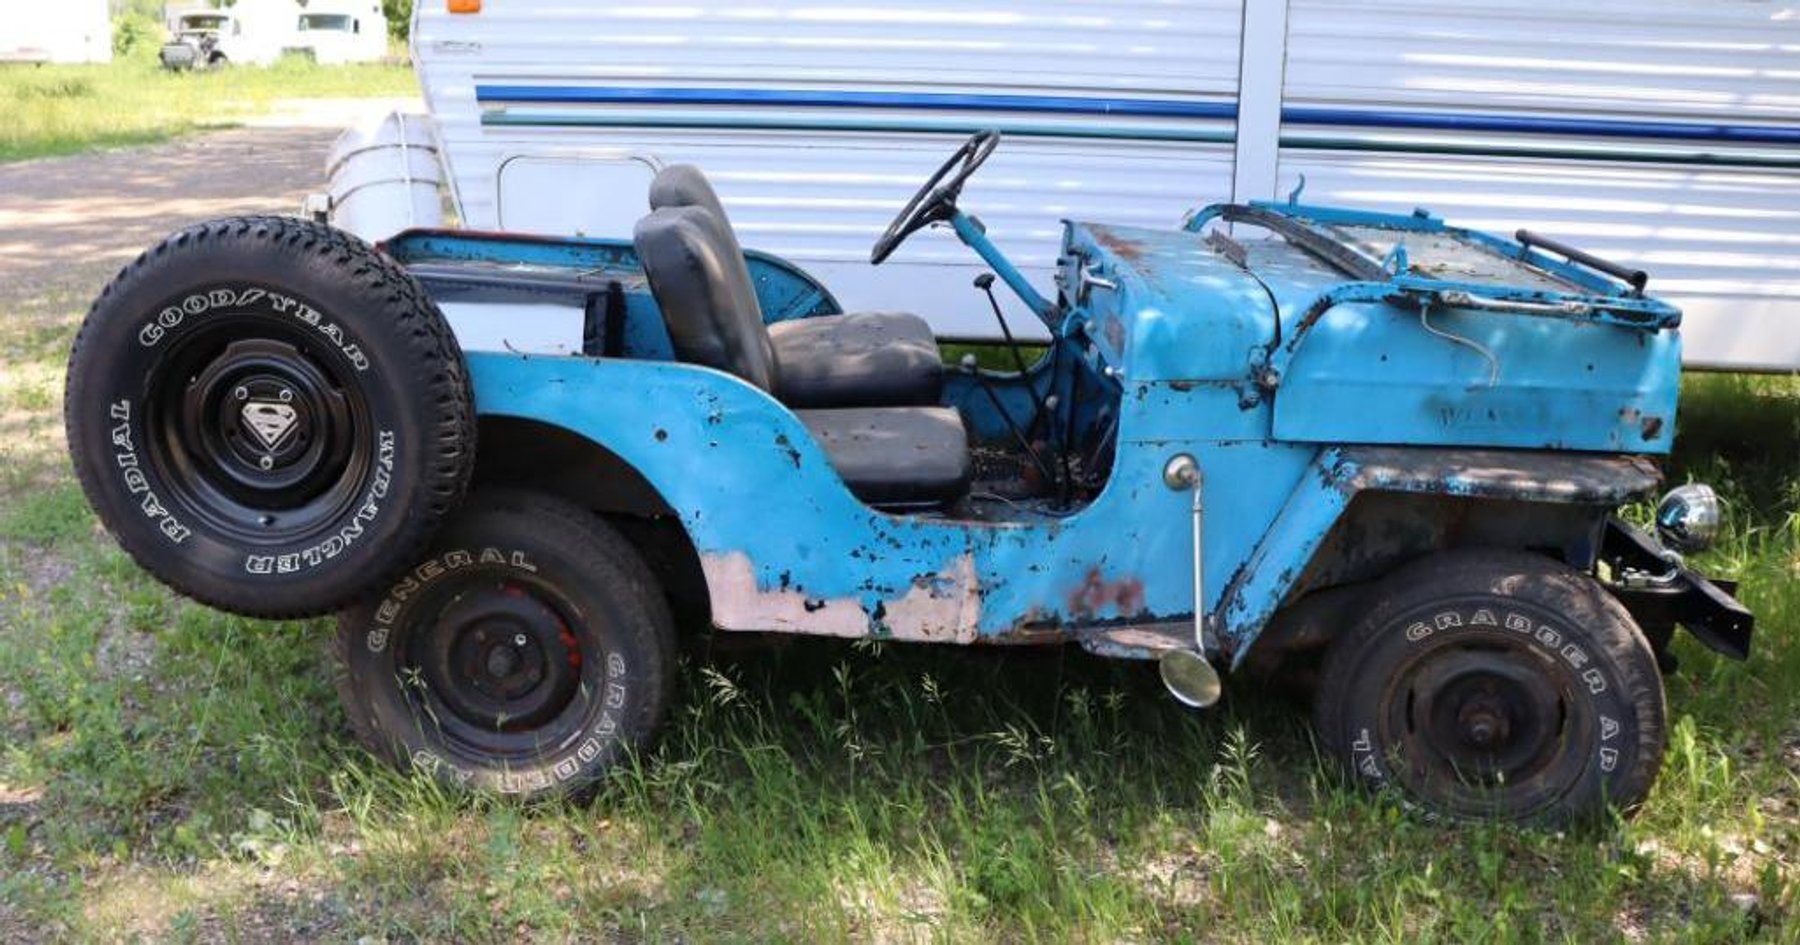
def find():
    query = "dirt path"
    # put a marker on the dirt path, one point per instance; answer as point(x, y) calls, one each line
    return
point(66, 224)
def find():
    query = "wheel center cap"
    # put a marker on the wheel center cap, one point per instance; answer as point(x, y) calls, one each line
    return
point(502, 661)
point(272, 421)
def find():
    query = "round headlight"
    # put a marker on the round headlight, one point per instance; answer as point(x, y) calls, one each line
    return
point(1688, 518)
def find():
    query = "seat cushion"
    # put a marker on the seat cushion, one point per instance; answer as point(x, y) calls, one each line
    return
point(865, 359)
point(896, 455)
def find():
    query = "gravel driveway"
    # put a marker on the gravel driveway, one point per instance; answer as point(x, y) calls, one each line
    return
point(67, 224)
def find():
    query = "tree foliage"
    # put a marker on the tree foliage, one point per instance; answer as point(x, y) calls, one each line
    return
point(399, 17)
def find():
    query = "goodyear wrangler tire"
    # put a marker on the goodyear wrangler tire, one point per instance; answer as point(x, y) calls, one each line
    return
point(1495, 684)
point(527, 653)
point(271, 417)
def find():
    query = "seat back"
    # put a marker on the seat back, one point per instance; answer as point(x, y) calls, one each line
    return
point(683, 185)
point(704, 290)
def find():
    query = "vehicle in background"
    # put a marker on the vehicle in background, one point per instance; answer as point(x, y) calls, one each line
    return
point(341, 32)
point(66, 31)
point(1661, 134)
point(252, 32)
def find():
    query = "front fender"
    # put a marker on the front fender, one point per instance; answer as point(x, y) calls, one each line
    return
point(1260, 586)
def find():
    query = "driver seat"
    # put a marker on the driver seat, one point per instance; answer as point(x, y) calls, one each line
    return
point(889, 456)
point(863, 359)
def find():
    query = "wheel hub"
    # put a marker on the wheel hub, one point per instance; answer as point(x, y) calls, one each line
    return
point(1482, 716)
point(501, 659)
point(257, 436)
point(1485, 723)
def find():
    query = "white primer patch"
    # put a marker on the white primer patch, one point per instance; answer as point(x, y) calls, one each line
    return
point(941, 608)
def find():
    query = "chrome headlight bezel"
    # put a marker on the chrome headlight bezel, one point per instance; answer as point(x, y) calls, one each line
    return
point(1689, 517)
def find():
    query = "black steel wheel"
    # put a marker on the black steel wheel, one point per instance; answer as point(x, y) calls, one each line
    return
point(269, 415)
point(1495, 684)
point(523, 656)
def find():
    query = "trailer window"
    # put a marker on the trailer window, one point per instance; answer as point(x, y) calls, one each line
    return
point(333, 22)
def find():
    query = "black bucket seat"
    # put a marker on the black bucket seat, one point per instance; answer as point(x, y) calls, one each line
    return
point(890, 456)
point(862, 359)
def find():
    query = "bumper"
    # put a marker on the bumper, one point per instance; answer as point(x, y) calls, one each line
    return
point(179, 56)
point(1661, 592)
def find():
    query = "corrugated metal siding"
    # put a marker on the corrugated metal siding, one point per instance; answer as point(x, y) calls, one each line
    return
point(823, 197)
point(1722, 242)
point(1178, 46)
point(1674, 58)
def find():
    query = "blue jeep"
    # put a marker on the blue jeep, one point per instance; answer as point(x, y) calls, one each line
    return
point(1377, 452)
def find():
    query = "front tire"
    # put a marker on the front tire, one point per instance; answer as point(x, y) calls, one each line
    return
point(1496, 685)
point(528, 652)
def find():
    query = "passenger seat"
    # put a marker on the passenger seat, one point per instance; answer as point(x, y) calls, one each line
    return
point(863, 359)
point(889, 456)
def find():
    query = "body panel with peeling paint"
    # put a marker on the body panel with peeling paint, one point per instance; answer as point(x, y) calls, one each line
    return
point(1166, 344)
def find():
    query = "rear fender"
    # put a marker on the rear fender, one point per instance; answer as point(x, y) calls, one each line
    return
point(783, 544)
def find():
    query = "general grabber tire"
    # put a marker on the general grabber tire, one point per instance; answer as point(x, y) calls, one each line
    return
point(269, 415)
point(530, 649)
point(1495, 685)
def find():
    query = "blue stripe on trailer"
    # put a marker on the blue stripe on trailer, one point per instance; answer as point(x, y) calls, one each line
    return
point(1140, 108)
point(801, 98)
point(1541, 125)
point(1211, 134)
point(701, 122)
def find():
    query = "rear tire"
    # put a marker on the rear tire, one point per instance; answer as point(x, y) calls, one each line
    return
point(269, 415)
point(525, 656)
point(1495, 685)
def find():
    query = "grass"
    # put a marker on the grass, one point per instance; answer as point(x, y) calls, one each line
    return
point(65, 109)
point(171, 773)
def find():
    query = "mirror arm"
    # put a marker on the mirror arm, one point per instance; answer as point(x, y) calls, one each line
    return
point(973, 236)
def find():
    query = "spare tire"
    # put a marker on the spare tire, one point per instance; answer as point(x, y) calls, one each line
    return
point(270, 416)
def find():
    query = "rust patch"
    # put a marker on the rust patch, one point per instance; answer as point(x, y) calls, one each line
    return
point(1651, 427)
point(1126, 248)
point(1115, 333)
point(1125, 597)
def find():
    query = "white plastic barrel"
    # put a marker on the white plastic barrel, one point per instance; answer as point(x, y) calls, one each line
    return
point(384, 177)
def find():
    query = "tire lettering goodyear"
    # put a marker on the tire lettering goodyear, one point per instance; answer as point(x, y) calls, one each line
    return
point(200, 303)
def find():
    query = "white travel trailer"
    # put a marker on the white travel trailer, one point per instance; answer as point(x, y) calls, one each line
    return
point(341, 32)
point(60, 31)
point(1664, 134)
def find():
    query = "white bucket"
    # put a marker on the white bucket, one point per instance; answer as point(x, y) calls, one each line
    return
point(384, 177)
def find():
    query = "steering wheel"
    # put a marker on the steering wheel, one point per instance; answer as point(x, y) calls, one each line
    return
point(937, 199)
